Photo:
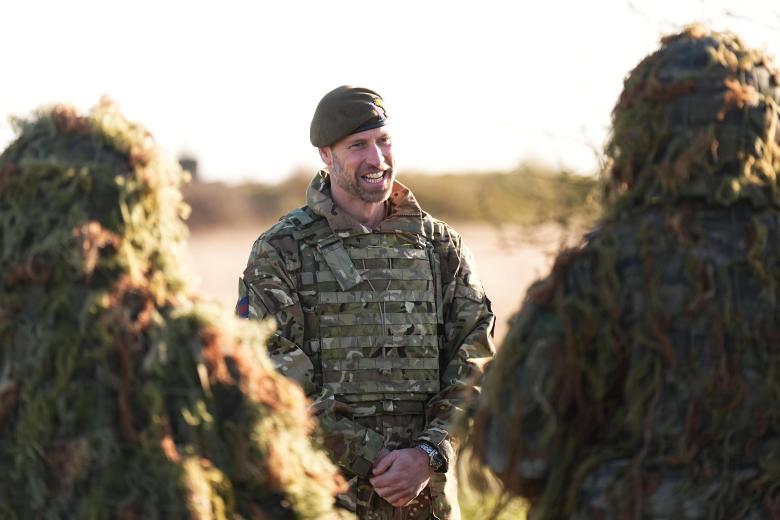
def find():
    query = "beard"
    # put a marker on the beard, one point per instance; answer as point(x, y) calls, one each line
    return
point(350, 182)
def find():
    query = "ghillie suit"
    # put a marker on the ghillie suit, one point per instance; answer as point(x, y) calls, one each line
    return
point(122, 396)
point(641, 378)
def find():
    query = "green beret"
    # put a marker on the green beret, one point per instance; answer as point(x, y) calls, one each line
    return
point(344, 111)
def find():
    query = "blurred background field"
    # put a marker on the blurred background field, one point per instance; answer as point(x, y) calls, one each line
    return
point(529, 195)
point(514, 222)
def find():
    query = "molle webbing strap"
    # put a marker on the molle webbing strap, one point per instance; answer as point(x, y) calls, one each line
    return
point(371, 274)
point(387, 407)
point(381, 364)
point(393, 318)
point(339, 262)
point(373, 297)
point(350, 342)
point(389, 252)
point(378, 387)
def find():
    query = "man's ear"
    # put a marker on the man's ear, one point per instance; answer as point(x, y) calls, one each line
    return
point(326, 154)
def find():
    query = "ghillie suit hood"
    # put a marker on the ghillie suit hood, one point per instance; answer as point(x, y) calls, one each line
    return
point(698, 119)
point(122, 395)
point(640, 378)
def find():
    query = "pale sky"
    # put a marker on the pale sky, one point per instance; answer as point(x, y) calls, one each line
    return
point(475, 85)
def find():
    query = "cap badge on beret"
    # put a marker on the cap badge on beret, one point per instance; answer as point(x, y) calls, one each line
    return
point(379, 109)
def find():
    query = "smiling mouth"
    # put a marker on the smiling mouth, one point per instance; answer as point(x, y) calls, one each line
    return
point(376, 177)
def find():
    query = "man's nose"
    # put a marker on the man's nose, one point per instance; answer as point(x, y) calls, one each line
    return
point(375, 156)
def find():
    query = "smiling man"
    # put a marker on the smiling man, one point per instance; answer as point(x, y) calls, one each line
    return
point(381, 316)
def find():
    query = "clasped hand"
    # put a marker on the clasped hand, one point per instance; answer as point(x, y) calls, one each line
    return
point(400, 475)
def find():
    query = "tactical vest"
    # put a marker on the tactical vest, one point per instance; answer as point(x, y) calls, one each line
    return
point(372, 306)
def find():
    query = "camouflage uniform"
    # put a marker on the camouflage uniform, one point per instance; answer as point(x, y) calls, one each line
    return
point(381, 327)
point(640, 378)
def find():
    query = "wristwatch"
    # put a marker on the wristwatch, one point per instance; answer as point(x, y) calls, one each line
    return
point(435, 460)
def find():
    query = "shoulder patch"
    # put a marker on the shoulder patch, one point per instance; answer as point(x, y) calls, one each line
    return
point(242, 308)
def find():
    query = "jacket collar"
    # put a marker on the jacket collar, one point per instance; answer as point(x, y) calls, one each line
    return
point(403, 210)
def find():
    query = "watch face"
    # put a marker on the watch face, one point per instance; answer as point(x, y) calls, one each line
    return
point(437, 461)
point(434, 459)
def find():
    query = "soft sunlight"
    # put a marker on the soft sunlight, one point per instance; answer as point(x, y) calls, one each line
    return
point(469, 86)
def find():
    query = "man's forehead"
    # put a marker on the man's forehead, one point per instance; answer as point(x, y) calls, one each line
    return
point(374, 133)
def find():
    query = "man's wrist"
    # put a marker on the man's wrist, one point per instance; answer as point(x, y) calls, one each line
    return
point(435, 459)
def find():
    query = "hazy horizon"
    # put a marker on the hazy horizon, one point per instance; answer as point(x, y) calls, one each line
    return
point(467, 87)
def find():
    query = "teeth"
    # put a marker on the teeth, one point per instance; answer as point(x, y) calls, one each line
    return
point(374, 178)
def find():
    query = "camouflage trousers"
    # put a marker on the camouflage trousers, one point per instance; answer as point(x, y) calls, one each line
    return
point(368, 505)
point(438, 500)
point(430, 503)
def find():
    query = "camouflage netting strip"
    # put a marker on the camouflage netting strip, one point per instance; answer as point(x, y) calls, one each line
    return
point(121, 395)
point(689, 140)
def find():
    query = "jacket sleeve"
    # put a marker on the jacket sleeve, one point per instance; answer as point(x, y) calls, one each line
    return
point(267, 289)
point(467, 346)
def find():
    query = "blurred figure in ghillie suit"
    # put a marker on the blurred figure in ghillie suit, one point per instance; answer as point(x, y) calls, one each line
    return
point(122, 396)
point(641, 378)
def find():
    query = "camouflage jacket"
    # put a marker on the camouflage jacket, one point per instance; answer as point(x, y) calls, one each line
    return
point(270, 288)
point(638, 378)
